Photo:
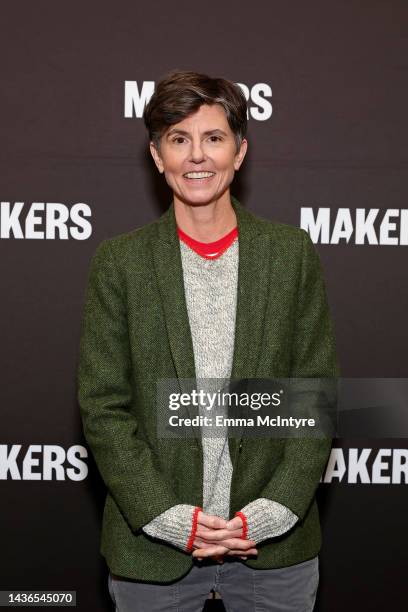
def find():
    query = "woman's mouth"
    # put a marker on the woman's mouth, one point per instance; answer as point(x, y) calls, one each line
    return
point(198, 176)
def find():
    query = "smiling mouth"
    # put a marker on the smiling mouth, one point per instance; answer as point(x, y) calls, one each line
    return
point(193, 176)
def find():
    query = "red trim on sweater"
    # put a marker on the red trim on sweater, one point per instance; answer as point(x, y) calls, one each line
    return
point(244, 524)
point(209, 250)
point(193, 529)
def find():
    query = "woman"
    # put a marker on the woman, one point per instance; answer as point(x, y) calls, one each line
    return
point(210, 291)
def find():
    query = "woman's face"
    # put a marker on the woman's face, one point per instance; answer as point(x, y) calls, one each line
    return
point(201, 143)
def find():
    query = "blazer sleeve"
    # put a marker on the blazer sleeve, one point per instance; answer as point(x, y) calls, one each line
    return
point(126, 462)
point(297, 476)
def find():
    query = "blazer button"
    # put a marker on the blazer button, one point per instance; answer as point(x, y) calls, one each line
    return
point(240, 447)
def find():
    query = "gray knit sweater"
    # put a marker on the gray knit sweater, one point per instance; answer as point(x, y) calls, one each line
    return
point(211, 294)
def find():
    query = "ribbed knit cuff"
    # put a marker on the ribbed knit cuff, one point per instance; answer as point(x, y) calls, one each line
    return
point(177, 525)
point(265, 518)
point(244, 525)
point(193, 529)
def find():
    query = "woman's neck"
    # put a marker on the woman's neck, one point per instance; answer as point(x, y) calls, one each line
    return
point(206, 222)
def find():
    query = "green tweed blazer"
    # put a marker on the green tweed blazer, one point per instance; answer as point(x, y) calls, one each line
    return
point(135, 331)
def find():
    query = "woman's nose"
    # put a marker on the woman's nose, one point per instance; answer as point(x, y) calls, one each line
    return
point(197, 153)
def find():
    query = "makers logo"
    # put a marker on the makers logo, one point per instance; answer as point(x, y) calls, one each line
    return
point(367, 466)
point(42, 462)
point(386, 226)
point(45, 221)
point(137, 96)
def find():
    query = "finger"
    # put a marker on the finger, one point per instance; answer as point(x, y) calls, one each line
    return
point(237, 543)
point(229, 544)
point(211, 520)
point(235, 523)
point(216, 535)
point(210, 552)
point(198, 543)
point(203, 543)
point(238, 553)
point(208, 533)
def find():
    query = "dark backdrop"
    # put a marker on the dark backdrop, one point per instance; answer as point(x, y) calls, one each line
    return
point(327, 130)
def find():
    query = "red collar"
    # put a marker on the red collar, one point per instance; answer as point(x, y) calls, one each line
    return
point(209, 250)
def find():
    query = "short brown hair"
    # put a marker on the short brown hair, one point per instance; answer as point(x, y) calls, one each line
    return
point(181, 92)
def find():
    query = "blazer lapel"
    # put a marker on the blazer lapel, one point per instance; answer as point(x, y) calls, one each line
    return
point(253, 289)
point(253, 286)
point(167, 261)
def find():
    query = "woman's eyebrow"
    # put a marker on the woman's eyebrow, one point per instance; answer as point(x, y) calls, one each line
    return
point(185, 133)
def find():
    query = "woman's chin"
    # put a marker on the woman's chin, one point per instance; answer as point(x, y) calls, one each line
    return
point(199, 199)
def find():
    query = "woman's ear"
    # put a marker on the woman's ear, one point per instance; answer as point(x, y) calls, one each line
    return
point(239, 157)
point(156, 156)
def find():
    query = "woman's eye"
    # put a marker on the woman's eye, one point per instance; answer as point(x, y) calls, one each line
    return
point(181, 139)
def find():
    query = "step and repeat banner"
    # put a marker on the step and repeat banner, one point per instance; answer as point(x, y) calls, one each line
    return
point(326, 85)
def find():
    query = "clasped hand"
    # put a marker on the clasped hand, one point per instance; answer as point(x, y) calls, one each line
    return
point(216, 537)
